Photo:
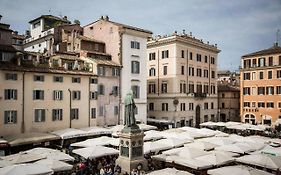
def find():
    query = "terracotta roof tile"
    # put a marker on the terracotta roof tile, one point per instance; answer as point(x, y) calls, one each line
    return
point(272, 50)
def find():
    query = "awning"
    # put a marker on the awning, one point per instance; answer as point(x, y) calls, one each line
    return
point(160, 121)
point(30, 138)
point(69, 133)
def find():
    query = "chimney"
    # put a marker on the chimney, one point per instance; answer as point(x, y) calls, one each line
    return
point(106, 18)
point(27, 33)
point(101, 17)
point(175, 33)
point(183, 31)
point(190, 33)
point(64, 18)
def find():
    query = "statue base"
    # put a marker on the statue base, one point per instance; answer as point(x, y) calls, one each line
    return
point(128, 165)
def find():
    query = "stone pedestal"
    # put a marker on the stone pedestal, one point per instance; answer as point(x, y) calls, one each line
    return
point(131, 150)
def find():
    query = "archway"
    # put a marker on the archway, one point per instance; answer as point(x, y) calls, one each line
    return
point(223, 117)
point(197, 117)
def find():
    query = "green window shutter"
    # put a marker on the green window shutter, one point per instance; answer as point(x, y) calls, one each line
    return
point(6, 113)
point(43, 115)
point(15, 116)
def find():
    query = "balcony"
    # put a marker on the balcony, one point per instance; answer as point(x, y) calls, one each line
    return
point(200, 95)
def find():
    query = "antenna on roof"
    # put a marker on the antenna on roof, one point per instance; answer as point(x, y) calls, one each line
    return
point(277, 37)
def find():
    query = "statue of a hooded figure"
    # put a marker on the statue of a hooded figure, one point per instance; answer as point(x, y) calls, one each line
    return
point(130, 106)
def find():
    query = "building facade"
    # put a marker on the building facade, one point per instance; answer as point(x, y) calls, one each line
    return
point(182, 84)
point(261, 86)
point(127, 45)
point(7, 51)
point(229, 103)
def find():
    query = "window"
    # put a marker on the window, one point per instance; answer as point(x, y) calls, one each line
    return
point(198, 72)
point(165, 54)
point(278, 90)
point(165, 107)
point(38, 95)
point(246, 76)
point(10, 76)
point(206, 73)
point(10, 117)
point(199, 88)
point(270, 61)
point(191, 71)
point(115, 91)
point(11, 94)
point(270, 90)
point(93, 112)
point(254, 90)
point(261, 90)
point(94, 95)
point(206, 59)
point(205, 118)
point(212, 117)
point(165, 70)
point(101, 71)
point(135, 65)
point(74, 114)
point(278, 73)
point(206, 88)
point(212, 105)
point(254, 76)
point(39, 115)
point(182, 53)
point(198, 57)
point(261, 62)
point(152, 72)
point(151, 106)
point(76, 80)
point(182, 106)
point(182, 70)
point(36, 24)
point(151, 88)
point(101, 89)
point(270, 105)
point(191, 106)
point(101, 111)
point(206, 105)
point(164, 87)
point(213, 60)
point(253, 104)
point(246, 91)
point(115, 71)
point(182, 88)
point(261, 75)
point(151, 56)
point(58, 79)
point(190, 55)
point(261, 104)
point(136, 91)
point(135, 45)
point(279, 105)
point(58, 95)
point(213, 74)
point(279, 60)
point(94, 81)
point(269, 74)
point(76, 95)
point(38, 78)
point(247, 104)
point(57, 114)
point(116, 110)
point(191, 87)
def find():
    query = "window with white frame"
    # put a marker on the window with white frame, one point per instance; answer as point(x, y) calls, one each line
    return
point(152, 71)
point(152, 56)
point(58, 79)
point(76, 80)
point(11, 94)
point(38, 94)
point(57, 95)
point(165, 54)
point(278, 90)
point(116, 110)
point(39, 115)
point(74, 114)
point(136, 91)
point(165, 70)
point(11, 76)
point(151, 88)
point(135, 67)
point(101, 89)
point(165, 107)
point(135, 45)
point(10, 117)
point(57, 114)
point(76, 95)
point(115, 71)
point(94, 95)
point(270, 90)
point(38, 78)
point(270, 105)
point(164, 87)
point(93, 113)
point(101, 71)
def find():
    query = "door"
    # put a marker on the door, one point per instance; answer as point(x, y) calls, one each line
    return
point(197, 117)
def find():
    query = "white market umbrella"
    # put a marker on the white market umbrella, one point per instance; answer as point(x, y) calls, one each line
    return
point(191, 152)
point(209, 123)
point(169, 171)
point(26, 169)
point(173, 142)
point(237, 170)
point(69, 133)
point(271, 150)
point(51, 154)
point(190, 163)
point(262, 160)
point(104, 140)
point(152, 135)
point(149, 147)
point(206, 132)
point(216, 158)
point(95, 152)
point(55, 165)
point(4, 163)
point(236, 148)
point(95, 130)
point(201, 145)
point(218, 140)
point(23, 157)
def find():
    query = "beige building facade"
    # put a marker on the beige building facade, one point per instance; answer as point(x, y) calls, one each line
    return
point(261, 86)
point(182, 86)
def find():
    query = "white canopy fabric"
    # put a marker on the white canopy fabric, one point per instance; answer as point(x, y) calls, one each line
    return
point(4, 163)
point(206, 132)
point(95, 130)
point(231, 154)
point(169, 171)
point(271, 150)
point(262, 160)
point(95, 152)
point(191, 163)
point(221, 134)
point(69, 133)
point(154, 147)
point(23, 157)
point(275, 140)
point(237, 170)
point(201, 145)
point(26, 169)
point(173, 142)
point(50, 154)
point(186, 152)
point(55, 165)
point(104, 140)
point(218, 140)
point(216, 158)
point(236, 148)
point(193, 132)
point(209, 123)
point(152, 135)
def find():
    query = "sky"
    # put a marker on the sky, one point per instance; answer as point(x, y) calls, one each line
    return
point(238, 27)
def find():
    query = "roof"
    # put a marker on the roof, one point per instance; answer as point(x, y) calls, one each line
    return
point(49, 17)
point(7, 48)
point(5, 27)
point(89, 39)
point(272, 50)
point(227, 88)
point(16, 36)
point(105, 62)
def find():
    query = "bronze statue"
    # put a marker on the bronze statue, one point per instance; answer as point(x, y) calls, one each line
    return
point(130, 106)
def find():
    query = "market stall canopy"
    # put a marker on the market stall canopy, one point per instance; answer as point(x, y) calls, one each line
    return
point(4, 163)
point(201, 145)
point(186, 152)
point(104, 140)
point(218, 140)
point(238, 169)
point(55, 165)
point(23, 157)
point(50, 154)
point(95, 130)
point(174, 142)
point(215, 158)
point(262, 160)
point(149, 147)
point(95, 152)
point(30, 138)
point(207, 124)
point(152, 135)
point(69, 133)
point(169, 171)
point(271, 151)
point(26, 169)
point(236, 148)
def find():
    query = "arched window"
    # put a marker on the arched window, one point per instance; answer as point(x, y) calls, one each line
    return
point(152, 72)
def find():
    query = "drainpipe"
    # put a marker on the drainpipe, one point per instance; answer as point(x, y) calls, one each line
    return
point(70, 108)
point(89, 108)
point(23, 88)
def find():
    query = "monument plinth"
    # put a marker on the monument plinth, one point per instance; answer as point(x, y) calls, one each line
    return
point(131, 141)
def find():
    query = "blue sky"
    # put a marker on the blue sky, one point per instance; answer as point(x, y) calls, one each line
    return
point(238, 26)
